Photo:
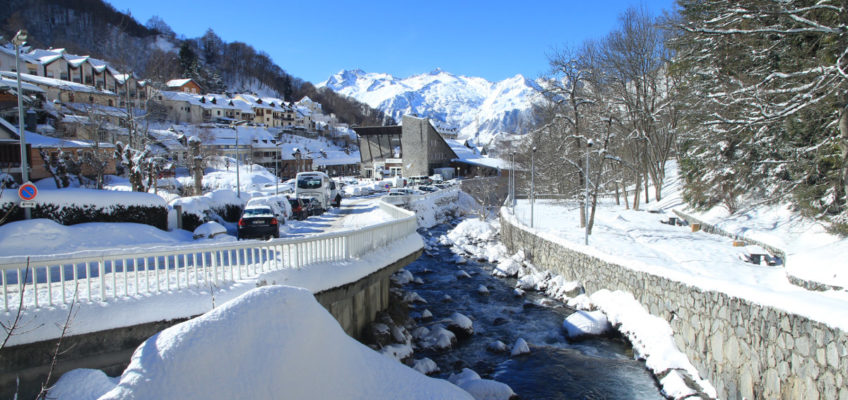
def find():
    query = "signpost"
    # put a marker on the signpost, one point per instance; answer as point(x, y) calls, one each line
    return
point(27, 193)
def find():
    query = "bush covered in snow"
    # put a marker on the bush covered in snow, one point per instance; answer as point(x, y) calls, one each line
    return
point(220, 205)
point(76, 206)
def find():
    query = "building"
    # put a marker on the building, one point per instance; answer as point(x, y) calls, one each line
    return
point(416, 148)
point(381, 149)
point(184, 85)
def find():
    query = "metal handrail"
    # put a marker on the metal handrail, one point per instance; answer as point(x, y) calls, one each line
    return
point(103, 275)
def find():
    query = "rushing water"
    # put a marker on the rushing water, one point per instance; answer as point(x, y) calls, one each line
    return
point(598, 368)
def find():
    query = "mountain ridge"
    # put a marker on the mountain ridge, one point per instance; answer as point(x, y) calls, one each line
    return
point(477, 108)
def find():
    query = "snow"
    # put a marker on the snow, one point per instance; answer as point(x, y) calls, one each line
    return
point(93, 239)
point(425, 366)
point(637, 240)
point(651, 337)
point(16, 238)
point(209, 230)
point(481, 389)
point(478, 108)
point(586, 323)
point(271, 342)
point(520, 347)
point(461, 321)
point(216, 199)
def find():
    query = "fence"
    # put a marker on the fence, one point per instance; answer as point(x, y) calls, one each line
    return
point(105, 275)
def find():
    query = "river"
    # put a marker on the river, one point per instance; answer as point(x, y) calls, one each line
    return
point(596, 368)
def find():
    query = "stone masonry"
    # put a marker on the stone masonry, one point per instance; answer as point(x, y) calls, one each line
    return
point(745, 350)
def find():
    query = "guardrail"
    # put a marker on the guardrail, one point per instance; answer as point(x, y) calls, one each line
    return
point(104, 275)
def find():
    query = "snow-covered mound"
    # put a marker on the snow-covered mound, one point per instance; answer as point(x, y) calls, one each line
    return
point(17, 238)
point(481, 389)
point(586, 323)
point(271, 342)
point(476, 107)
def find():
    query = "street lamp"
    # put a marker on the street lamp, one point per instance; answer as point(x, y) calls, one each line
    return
point(238, 156)
point(589, 144)
point(532, 184)
point(512, 183)
point(19, 40)
point(277, 171)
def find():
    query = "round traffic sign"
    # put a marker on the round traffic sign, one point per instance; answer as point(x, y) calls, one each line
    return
point(27, 191)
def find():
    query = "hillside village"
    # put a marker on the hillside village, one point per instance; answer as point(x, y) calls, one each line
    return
point(77, 103)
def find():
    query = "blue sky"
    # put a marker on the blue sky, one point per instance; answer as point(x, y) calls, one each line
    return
point(313, 39)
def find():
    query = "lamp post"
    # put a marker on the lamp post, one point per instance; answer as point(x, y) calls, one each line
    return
point(532, 184)
point(277, 171)
point(589, 144)
point(238, 156)
point(512, 184)
point(19, 40)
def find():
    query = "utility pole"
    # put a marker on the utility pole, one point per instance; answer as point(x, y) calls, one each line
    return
point(19, 40)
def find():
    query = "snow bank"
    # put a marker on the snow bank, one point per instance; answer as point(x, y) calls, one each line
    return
point(651, 337)
point(586, 323)
point(17, 238)
point(271, 342)
point(217, 199)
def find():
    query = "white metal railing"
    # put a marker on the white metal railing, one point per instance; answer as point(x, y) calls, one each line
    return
point(105, 275)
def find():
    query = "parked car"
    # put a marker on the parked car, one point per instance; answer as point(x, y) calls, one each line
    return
point(400, 192)
point(313, 206)
point(298, 207)
point(278, 205)
point(258, 221)
point(426, 188)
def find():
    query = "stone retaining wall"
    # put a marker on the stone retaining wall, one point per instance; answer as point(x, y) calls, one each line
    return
point(744, 349)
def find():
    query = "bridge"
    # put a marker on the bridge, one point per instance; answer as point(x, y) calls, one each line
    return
point(116, 298)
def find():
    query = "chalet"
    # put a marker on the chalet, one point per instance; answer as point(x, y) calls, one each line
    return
point(67, 91)
point(7, 61)
point(264, 109)
point(184, 85)
point(10, 156)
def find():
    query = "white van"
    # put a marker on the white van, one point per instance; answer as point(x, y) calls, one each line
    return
point(314, 185)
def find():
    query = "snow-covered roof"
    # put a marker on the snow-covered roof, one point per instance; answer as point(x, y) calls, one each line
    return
point(247, 136)
point(167, 139)
point(6, 83)
point(45, 57)
point(10, 50)
point(74, 60)
point(57, 83)
point(40, 141)
point(254, 101)
point(177, 82)
point(471, 156)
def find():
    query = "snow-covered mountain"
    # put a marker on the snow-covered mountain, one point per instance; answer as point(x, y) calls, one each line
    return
point(477, 108)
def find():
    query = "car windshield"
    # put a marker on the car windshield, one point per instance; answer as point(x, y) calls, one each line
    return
point(250, 212)
point(309, 182)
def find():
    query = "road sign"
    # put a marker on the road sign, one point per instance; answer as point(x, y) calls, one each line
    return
point(27, 204)
point(27, 191)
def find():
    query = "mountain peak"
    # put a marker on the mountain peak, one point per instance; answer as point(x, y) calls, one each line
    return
point(477, 107)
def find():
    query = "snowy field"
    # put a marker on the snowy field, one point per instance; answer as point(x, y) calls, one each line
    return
point(638, 240)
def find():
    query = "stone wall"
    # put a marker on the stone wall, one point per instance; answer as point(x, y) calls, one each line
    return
point(744, 349)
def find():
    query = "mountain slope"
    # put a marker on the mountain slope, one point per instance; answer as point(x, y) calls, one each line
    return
point(477, 108)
